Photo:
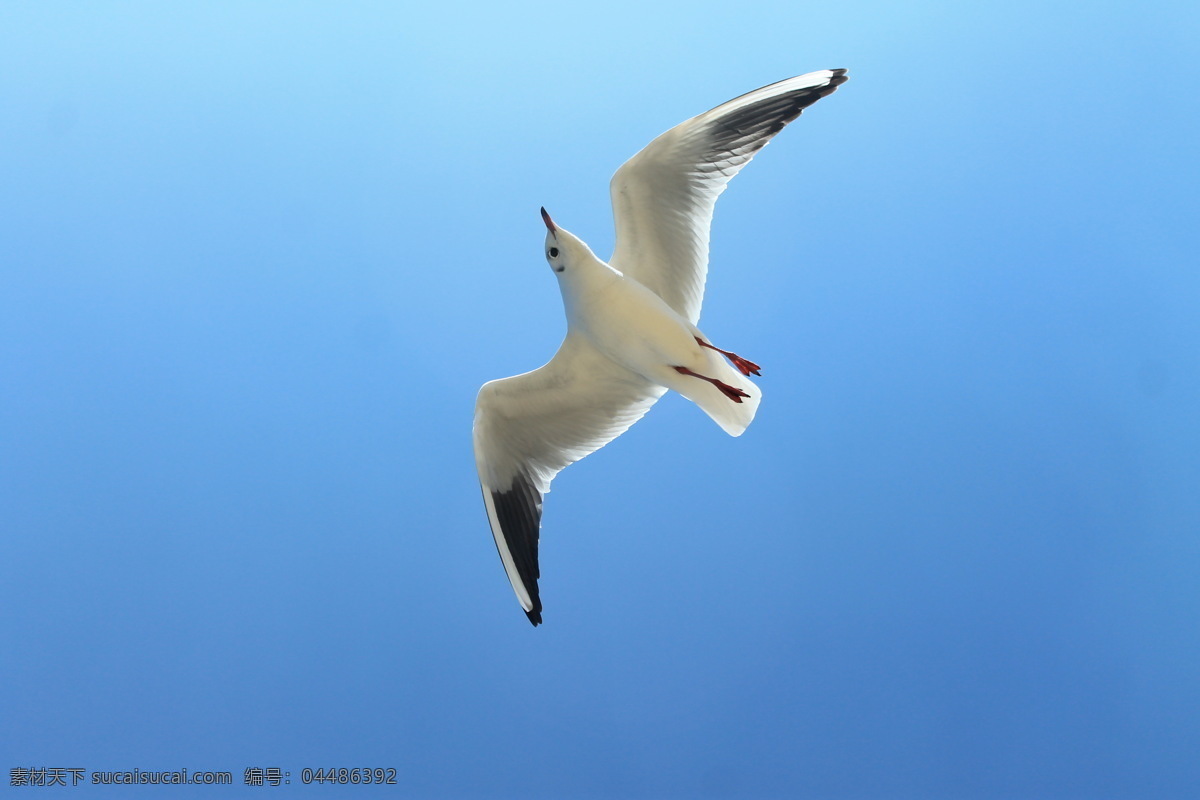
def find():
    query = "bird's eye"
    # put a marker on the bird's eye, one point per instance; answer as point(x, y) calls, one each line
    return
point(554, 252)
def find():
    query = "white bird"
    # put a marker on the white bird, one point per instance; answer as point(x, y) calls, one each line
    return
point(631, 323)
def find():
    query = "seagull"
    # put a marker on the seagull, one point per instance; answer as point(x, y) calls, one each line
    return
point(631, 322)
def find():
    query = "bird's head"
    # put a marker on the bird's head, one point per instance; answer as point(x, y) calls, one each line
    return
point(564, 251)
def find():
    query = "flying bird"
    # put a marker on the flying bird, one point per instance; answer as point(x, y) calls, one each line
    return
point(631, 322)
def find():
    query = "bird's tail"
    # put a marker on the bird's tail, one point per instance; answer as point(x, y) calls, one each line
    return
point(733, 417)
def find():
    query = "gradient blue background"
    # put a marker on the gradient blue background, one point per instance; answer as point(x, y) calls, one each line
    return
point(256, 260)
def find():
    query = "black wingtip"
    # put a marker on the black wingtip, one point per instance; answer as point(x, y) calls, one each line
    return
point(519, 514)
point(839, 77)
point(535, 613)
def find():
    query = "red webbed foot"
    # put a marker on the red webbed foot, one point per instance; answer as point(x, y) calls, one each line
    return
point(744, 365)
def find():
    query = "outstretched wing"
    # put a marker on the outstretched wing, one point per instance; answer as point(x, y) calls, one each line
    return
point(530, 426)
point(663, 197)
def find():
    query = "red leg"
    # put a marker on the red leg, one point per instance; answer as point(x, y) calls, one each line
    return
point(732, 392)
point(744, 365)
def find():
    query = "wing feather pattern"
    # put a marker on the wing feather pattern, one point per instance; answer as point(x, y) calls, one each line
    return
point(663, 197)
point(531, 426)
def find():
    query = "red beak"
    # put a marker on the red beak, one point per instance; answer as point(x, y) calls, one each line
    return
point(549, 223)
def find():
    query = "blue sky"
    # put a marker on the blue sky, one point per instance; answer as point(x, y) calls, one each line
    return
point(256, 260)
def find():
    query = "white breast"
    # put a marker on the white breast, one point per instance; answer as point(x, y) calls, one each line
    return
point(634, 327)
